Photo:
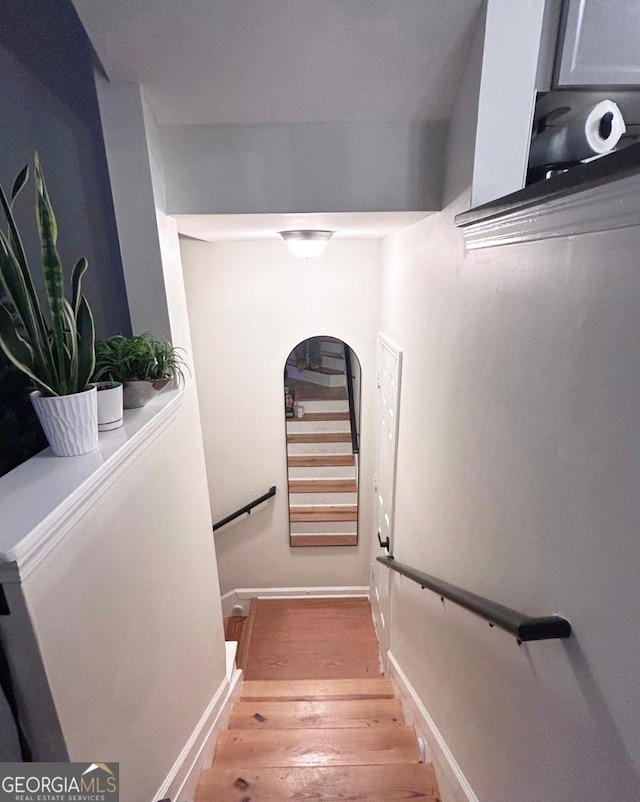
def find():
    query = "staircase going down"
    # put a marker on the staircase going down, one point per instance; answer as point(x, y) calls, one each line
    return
point(315, 738)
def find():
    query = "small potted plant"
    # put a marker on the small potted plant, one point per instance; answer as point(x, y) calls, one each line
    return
point(54, 348)
point(110, 404)
point(144, 365)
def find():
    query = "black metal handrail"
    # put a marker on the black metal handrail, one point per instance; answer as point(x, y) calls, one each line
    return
point(355, 445)
point(524, 627)
point(245, 510)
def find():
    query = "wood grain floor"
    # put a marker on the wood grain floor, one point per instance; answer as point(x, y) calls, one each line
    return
point(312, 639)
point(300, 734)
point(390, 783)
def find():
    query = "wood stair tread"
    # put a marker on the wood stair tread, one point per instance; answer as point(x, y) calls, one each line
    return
point(324, 513)
point(321, 461)
point(319, 437)
point(233, 626)
point(317, 747)
point(322, 486)
point(317, 689)
point(332, 714)
point(315, 740)
point(328, 783)
point(318, 539)
point(247, 632)
point(322, 369)
point(322, 416)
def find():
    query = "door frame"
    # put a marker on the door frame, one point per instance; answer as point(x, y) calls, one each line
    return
point(381, 580)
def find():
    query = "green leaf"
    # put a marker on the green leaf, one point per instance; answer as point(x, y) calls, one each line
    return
point(60, 356)
point(51, 265)
point(71, 347)
point(86, 344)
point(18, 351)
point(26, 300)
point(21, 180)
point(79, 270)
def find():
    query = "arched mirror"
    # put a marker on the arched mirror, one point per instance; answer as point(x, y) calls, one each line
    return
point(322, 409)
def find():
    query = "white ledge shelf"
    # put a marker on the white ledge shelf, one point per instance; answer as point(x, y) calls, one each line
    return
point(41, 499)
point(599, 196)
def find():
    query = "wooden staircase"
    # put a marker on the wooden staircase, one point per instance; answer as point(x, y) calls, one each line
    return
point(309, 740)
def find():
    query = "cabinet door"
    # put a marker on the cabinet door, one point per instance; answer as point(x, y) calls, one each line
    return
point(601, 44)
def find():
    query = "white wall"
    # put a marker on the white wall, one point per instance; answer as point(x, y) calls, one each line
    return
point(127, 608)
point(127, 613)
point(517, 478)
point(250, 303)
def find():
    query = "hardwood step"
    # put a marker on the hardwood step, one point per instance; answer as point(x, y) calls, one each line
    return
point(322, 486)
point(331, 747)
point(335, 714)
point(322, 369)
point(233, 626)
point(321, 460)
point(320, 437)
point(323, 416)
point(337, 539)
point(329, 784)
point(247, 632)
point(316, 689)
point(325, 512)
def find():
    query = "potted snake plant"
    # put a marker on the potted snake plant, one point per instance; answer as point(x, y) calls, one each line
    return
point(143, 363)
point(52, 343)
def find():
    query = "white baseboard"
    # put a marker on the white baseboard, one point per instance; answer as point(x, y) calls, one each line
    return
point(241, 597)
point(452, 783)
point(180, 784)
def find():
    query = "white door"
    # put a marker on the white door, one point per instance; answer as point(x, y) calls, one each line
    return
point(389, 363)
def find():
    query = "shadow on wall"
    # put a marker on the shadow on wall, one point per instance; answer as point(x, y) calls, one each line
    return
point(614, 752)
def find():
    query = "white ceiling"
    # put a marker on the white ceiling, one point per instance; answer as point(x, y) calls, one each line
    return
point(256, 61)
point(228, 227)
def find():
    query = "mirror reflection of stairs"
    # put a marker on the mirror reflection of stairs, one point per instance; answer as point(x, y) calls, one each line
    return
point(315, 738)
point(323, 497)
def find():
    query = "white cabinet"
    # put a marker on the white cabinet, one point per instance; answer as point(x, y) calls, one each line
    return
point(601, 44)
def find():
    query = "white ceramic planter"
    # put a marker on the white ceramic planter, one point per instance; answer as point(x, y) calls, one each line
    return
point(109, 406)
point(70, 422)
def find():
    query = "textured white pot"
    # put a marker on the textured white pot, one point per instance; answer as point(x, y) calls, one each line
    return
point(70, 422)
point(109, 406)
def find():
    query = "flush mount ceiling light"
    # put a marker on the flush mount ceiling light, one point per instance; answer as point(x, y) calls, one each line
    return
point(306, 243)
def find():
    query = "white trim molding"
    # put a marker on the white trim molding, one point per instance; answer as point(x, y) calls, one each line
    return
point(181, 782)
point(42, 499)
point(597, 208)
point(241, 597)
point(452, 783)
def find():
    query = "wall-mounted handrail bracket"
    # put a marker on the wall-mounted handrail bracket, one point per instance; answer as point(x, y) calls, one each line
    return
point(524, 627)
point(384, 544)
point(246, 510)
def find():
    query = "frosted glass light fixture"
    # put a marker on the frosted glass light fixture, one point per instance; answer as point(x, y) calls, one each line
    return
point(307, 244)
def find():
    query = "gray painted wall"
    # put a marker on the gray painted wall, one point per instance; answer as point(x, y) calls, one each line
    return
point(130, 168)
point(303, 167)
